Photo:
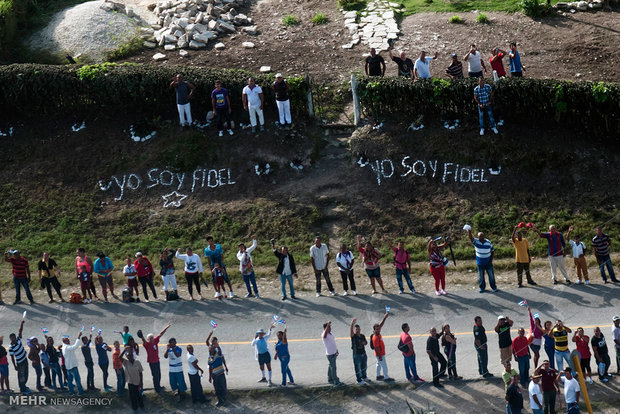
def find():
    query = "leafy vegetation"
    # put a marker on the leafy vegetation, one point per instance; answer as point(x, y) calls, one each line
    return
point(456, 19)
point(533, 8)
point(290, 20)
point(419, 6)
point(319, 18)
point(127, 49)
point(352, 4)
point(482, 18)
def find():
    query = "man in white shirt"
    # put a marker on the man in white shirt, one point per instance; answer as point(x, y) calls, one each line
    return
point(68, 351)
point(579, 257)
point(319, 256)
point(345, 260)
point(331, 350)
point(421, 69)
point(247, 268)
point(571, 391)
point(252, 96)
point(175, 368)
point(536, 397)
point(475, 63)
point(193, 270)
point(615, 333)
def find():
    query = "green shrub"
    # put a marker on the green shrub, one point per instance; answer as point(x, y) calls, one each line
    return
point(290, 20)
point(130, 48)
point(320, 18)
point(533, 8)
point(352, 4)
point(428, 1)
point(482, 18)
point(456, 19)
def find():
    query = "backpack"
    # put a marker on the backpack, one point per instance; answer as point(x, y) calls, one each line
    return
point(402, 347)
point(127, 295)
point(371, 338)
point(171, 295)
point(76, 298)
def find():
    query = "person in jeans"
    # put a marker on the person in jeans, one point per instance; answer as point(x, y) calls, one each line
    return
point(19, 359)
point(615, 334)
point(549, 343)
point(184, 92)
point(548, 385)
point(331, 351)
point(261, 352)
point(555, 250)
point(409, 355)
point(601, 243)
point(601, 354)
point(484, 259)
point(438, 362)
point(45, 365)
point(370, 257)
point(285, 357)
point(480, 343)
point(220, 100)
point(150, 344)
point(103, 361)
point(88, 361)
point(483, 95)
point(4, 367)
point(175, 368)
point(448, 342)
point(522, 257)
point(522, 356)
point(571, 391)
point(345, 260)
point(215, 254)
point(319, 257)
point(360, 359)
point(54, 362)
point(68, 352)
point(379, 347)
point(246, 267)
point(103, 267)
point(402, 263)
point(117, 365)
point(217, 375)
point(193, 371)
point(35, 359)
point(560, 334)
point(535, 394)
point(21, 275)
point(286, 269)
point(133, 371)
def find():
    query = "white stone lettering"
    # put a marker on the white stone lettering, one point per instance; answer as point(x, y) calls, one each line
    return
point(166, 180)
point(445, 170)
point(153, 180)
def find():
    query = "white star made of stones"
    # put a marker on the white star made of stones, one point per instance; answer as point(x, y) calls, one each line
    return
point(173, 199)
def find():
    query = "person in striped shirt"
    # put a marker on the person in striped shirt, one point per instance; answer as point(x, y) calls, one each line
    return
point(19, 359)
point(601, 244)
point(560, 334)
point(556, 242)
point(217, 375)
point(484, 259)
point(175, 371)
point(21, 275)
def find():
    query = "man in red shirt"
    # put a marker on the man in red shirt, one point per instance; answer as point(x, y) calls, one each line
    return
point(410, 369)
point(152, 355)
point(496, 61)
point(521, 352)
point(583, 347)
point(548, 385)
point(377, 344)
point(21, 275)
point(144, 269)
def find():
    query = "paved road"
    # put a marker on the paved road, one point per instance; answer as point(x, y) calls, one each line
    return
point(238, 319)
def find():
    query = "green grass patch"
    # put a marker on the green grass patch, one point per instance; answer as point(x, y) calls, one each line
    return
point(456, 19)
point(419, 6)
point(319, 18)
point(482, 18)
point(127, 49)
point(290, 20)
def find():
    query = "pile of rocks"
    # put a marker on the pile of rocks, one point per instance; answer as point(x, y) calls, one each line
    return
point(376, 25)
point(581, 5)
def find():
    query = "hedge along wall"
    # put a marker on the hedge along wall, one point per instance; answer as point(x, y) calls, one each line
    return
point(593, 107)
point(113, 89)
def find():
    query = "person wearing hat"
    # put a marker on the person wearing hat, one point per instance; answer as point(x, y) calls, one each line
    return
point(252, 96)
point(503, 335)
point(103, 267)
point(261, 352)
point(21, 274)
point(281, 89)
point(615, 333)
point(535, 394)
point(455, 70)
point(144, 268)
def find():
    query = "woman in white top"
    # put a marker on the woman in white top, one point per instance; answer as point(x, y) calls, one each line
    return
point(193, 270)
point(194, 378)
point(246, 267)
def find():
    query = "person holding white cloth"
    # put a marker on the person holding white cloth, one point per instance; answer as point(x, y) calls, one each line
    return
point(252, 96)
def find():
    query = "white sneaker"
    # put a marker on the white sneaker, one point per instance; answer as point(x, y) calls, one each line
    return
point(400, 292)
point(344, 293)
point(232, 295)
point(577, 282)
point(355, 292)
point(318, 294)
point(590, 380)
point(221, 133)
point(332, 293)
point(443, 292)
point(230, 131)
point(437, 293)
point(217, 294)
point(481, 131)
point(495, 130)
point(247, 295)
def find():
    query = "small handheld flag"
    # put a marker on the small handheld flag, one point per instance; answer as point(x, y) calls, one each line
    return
point(24, 315)
point(387, 309)
point(82, 329)
point(99, 331)
point(282, 321)
point(117, 331)
point(276, 318)
point(536, 316)
point(523, 303)
point(44, 330)
point(92, 328)
point(213, 324)
point(65, 336)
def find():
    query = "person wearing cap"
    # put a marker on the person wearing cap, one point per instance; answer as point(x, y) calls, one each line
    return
point(83, 263)
point(331, 351)
point(375, 64)
point(19, 359)
point(133, 374)
point(503, 335)
point(252, 96)
point(281, 90)
point(152, 355)
point(480, 342)
point(579, 257)
point(193, 270)
point(48, 275)
point(184, 92)
point(421, 67)
point(535, 394)
point(103, 267)
point(261, 352)
point(615, 334)
point(71, 363)
point(21, 275)
point(571, 391)
point(583, 347)
point(145, 272)
point(496, 61)
point(455, 70)
point(601, 354)
point(555, 250)
point(246, 267)
point(522, 256)
point(514, 397)
point(484, 259)
point(548, 385)
point(560, 334)
point(601, 243)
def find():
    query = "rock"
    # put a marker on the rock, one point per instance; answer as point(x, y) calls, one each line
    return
point(130, 13)
point(197, 45)
point(596, 5)
point(213, 25)
point(151, 6)
point(250, 30)
point(582, 6)
point(204, 37)
point(170, 46)
point(183, 22)
point(226, 27)
point(200, 28)
point(347, 46)
point(562, 5)
point(350, 14)
point(241, 19)
point(178, 33)
point(265, 69)
point(157, 57)
point(232, 12)
point(248, 45)
point(150, 45)
point(219, 46)
point(183, 53)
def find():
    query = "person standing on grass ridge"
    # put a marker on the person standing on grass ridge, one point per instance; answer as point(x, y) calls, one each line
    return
point(537, 332)
point(437, 360)
point(217, 376)
point(261, 352)
point(150, 344)
point(535, 394)
point(448, 341)
point(175, 368)
point(379, 347)
point(514, 398)
point(475, 63)
point(370, 256)
point(615, 334)
point(184, 92)
point(480, 342)
point(601, 243)
point(406, 344)
point(193, 369)
point(483, 95)
point(455, 70)
point(601, 354)
point(549, 386)
point(560, 334)
point(133, 372)
point(579, 257)
point(103, 361)
point(484, 260)
point(421, 67)
point(496, 61)
point(49, 272)
point(360, 359)
point(215, 254)
point(19, 359)
point(375, 64)
point(246, 267)
point(103, 267)
point(88, 362)
point(582, 342)
point(319, 257)
point(402, 263)
point(145, 271)
point(252, 96)
point(83, 263)
point(571, 391)
point(167, 272)
point(285, 357)
point(516, 67)
point(71, 363)
point(438, 265)
point(345, 260)
point(281, 90)
point(522, 257)
point(331, 351)
point(286, 269)
point(556, 244)
point(522, 356)
point(503, 335)
point(21, 275)
point(193, 270)
point(129, 270)
point(220, 101)
point(405, 65)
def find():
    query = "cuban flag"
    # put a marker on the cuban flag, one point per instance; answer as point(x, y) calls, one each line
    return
point(523, 303)
point(44, 330)
point(213, 324)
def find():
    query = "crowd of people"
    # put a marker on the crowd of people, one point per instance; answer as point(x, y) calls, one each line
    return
point(139, 270)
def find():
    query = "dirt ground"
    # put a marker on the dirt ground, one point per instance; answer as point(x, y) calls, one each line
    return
point(574, 46)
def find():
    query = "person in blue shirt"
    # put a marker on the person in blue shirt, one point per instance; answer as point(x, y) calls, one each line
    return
point(285, 357)
point(261, 352)
point(102, 359)
point(516, 67)
point(484, 259)
point(215, 254)
point(103, 267)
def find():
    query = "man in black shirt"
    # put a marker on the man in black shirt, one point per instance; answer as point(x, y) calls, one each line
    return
point(601, 353)
point(375, 65)
point(405, 65)
point(88, 361)
point(514, 398)
point(480, 342)
point(280, 88)
point(432, 349)
point(358, 345)
point(503, 334)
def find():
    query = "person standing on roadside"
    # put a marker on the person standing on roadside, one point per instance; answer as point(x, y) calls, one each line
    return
point(514, 398)
point(615, 334)
point(35, 360)
point(345, 260)
point(261, 352)
point(193, 370)
point(88, 362)
point(21, 275)
point(375, 64)
point(193, 270)
point(281, 90)
point(220, 101)
point(437, 265)
point(582, 342)
point(503, 335)
point(150, 344)
point(556, 245)
point(402, 263)
point(560, 334)
point(516, 67)
point(535, 394)
point(252, 97)
point(549, 386)
point(496, 61)
point(571, 391)
point(508, 374)
point(167, 272)
point(319, 257)
point(217, 376)
point(82, 260)
point(601, 354)
point(103, 361)
point(331, 351)
point(360, 359)
point(246, 267)
point(537, 333)
point(103, 267)
point(71, 363)
point(549, 343)
point(483, 95)
point(405, 65)
point(285, 357)
point(448, 342)
point(184, 92)
point(475, 63)
point(54, 362)
point(175, 368)
point(579, 257)
point(133, 373)
point(437, 360)
point(19, 358)
point(480, 343)
point(215, 254)
point(145, 271)
point(379, 347)
point(411, 371)
point(521, 352)
point(370, 256)
point(522, 257)
point(484, 260)
point(4, 367)
point(130, 273)
point(601, 243)
point(286, 269)
point(49, 272)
